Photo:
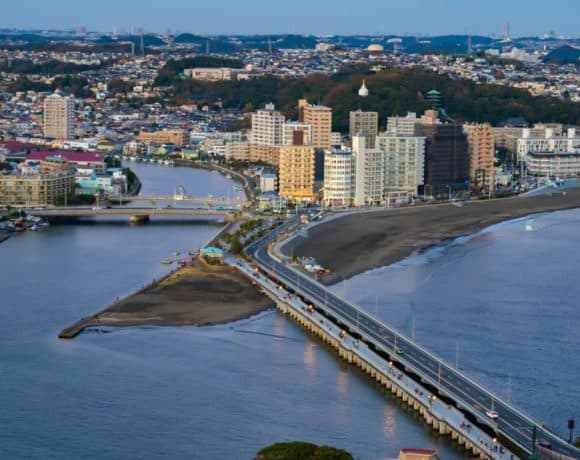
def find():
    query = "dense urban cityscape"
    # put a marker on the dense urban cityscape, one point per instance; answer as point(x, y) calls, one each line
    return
point(298, 198)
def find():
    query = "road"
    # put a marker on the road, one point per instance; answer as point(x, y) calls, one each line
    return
point(469, 396)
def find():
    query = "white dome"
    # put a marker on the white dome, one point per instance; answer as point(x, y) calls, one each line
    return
point(375, 47)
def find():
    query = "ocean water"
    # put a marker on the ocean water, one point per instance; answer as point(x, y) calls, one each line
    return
point(165, 392)
point(505, 302)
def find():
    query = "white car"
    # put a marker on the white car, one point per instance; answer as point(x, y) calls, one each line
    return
point(492, 414)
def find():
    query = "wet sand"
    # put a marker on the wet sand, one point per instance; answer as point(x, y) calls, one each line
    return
point(200, 295)
point(356, 243)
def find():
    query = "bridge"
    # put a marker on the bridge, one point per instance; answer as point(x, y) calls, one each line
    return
point(511, 425)
point(181, 195)
point(135, 213)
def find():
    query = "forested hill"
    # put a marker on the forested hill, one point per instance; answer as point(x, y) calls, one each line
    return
point(392, 92)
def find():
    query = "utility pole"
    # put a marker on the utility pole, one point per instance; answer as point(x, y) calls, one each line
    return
point(413, 330)
point(377, 307)
point(509, 392)
point(457, 356)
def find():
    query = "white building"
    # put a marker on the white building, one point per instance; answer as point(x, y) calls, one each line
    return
point(268, 182)
point(551, 143)
point(369, 173)
point(59, 116)
point(267, 126)
point(554, 164)
point(339, 178)
point(403, 126)
point(404, 160)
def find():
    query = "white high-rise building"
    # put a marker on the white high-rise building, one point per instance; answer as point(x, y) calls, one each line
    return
point(339, 178)
point(59, 116)
point(369, 173)
point(404, 158)
point(267, 126)
point(403, 126)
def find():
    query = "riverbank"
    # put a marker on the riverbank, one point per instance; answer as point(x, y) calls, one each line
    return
point(360, 242)
point(199, 295)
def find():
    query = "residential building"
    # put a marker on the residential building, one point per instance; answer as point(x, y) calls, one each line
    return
point(320, 118)
point(267, 126)
point(404, 158)
point(567, 142)
point(296, 133)
point(296, 172)
point(369, 173)
point(268, 182)
point(339, 177)
point(269, 154)
point(481, 150)
point(178, 137)
point(55, 164)
point(213, 74)
point(237, 151)
point(58, 116)
point(35, 189)
point(554, 164)
point(446, 157)
point(364, 124)
point(80, 160)
point(402, 126)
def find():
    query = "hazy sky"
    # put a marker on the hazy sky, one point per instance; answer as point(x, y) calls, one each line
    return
point(526, 17)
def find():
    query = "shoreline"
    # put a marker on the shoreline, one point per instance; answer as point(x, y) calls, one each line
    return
point(356, 243)
point(197, 295)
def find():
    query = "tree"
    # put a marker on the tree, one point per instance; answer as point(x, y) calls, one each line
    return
point(301, 451)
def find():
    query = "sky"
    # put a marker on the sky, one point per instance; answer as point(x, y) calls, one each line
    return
point(318, 17)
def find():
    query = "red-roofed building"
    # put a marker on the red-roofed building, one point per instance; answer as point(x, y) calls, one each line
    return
point(82, 160)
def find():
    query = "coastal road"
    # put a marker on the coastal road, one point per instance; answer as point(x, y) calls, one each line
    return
point(468, 395)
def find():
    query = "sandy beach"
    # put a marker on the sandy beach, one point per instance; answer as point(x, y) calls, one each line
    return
point(200, 295)
point(356, 243)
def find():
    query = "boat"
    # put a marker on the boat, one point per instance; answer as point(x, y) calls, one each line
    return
point(229, 176)
point(34, 228)
point(166, 261)
point(175, 253)
point(193, 252)
point(214, 172)
point(43, 223)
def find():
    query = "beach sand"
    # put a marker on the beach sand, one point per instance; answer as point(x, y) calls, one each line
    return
point(356, 243)
point(199, 295)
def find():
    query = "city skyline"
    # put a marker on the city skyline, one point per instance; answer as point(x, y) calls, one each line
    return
point(374, 17)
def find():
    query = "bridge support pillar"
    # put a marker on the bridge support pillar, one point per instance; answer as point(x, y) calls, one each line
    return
point(139, 219)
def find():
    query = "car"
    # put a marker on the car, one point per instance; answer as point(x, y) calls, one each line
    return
point(399, 351)
point(492, 414)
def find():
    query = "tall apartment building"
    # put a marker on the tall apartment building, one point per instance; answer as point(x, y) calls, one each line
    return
point(296, 172)
point(320, 118)
point(296, 133)
point(369, 173)
point(59, 116)
point(446, 158)
point(339, 178)
point(402, 126)
point(404, 158)
point(267, 126)
point(364, 124)
point(481, 150)
point(178, 137)
point(269, 154)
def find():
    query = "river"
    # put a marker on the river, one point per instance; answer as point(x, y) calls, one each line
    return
point(503, 303)
point(167, 392)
